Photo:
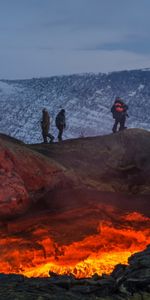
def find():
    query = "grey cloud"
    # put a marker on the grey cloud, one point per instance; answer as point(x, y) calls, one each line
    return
point(61, 36)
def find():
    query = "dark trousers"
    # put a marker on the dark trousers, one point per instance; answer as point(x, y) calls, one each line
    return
point(60, 133)
point(47, 135)
point(121, 123)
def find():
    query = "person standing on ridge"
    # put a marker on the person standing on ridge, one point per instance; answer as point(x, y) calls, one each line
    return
point(45, 125)
point(119, 112)
point(60, 123)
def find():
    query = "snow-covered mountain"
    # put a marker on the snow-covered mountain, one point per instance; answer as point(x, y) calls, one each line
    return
point(87, 99)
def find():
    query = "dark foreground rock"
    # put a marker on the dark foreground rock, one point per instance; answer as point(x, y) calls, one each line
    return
point(130, 282)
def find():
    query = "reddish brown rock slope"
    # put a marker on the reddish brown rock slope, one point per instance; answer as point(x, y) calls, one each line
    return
point(25, 176)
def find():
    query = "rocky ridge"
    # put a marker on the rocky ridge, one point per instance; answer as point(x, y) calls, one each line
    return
point(111, 163)
point(115, 162)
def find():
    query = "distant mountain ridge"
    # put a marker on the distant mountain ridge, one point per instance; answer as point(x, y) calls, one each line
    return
point(87, 99)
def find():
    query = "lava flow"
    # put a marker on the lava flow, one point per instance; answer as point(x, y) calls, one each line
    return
point(75, 242)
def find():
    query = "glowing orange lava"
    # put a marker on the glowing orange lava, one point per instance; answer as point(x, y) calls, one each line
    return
point(113, 243)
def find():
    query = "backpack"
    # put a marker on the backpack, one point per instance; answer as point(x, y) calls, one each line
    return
point(119, 107)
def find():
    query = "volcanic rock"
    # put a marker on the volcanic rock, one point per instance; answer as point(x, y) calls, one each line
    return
point(25, 176)
point(116, 163)
point(118, 271)
point(68, 287)
point(141, 259)
point(113, 163)
point(80, 184)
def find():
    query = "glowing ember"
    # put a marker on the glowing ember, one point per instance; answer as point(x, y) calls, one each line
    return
point(97, 253)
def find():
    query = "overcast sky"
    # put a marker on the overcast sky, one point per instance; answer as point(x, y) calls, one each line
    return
point(52, 37)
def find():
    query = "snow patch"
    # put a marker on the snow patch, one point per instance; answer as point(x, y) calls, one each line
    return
point(7, 89)
point(131, 94)
point(141, 87)
point(99, 92)
point(146, 69)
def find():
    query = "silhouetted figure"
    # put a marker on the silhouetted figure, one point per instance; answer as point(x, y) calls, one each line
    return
point(45, 125)
point(119, 112)
point(60, 123)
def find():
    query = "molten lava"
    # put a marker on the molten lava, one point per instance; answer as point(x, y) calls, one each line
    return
point(36, 250)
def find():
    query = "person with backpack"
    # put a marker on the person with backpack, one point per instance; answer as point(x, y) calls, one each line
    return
point(119, 112)
point(60, 123)
point(45, 126)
